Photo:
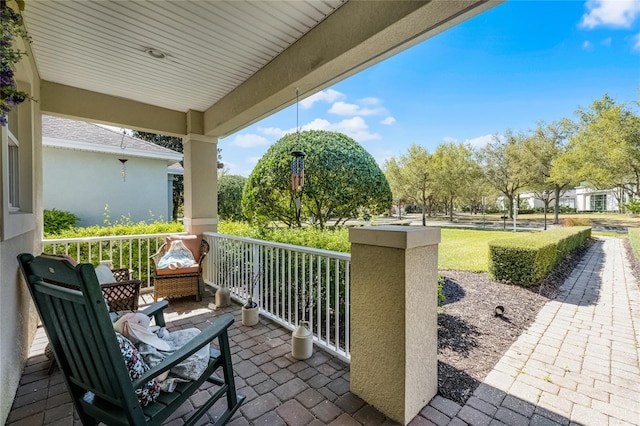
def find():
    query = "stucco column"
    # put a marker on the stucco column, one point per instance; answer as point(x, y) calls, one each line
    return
point(394, 324)
point(200, 183)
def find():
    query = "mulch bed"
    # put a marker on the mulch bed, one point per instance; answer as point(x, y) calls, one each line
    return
point(471, 338)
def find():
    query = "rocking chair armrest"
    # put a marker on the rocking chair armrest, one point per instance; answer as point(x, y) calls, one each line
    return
point(205, 337)
point(156, 310)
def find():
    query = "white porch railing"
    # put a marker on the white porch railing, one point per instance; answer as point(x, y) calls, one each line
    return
point(124, 251)
point(289, 283)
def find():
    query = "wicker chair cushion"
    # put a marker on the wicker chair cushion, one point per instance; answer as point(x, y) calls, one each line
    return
point(188, 270)
point(192, 242)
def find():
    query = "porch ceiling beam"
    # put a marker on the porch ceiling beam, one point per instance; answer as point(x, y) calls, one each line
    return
point(358, 34)
point(72, 102)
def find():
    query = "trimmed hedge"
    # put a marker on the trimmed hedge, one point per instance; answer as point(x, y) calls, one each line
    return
point(527, 260)
point(328, 239)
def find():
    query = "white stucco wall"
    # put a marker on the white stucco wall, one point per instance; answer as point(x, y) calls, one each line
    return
point(18, 318)
point(83, 183)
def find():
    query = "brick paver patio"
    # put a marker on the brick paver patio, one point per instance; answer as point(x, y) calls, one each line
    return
point(577, 364)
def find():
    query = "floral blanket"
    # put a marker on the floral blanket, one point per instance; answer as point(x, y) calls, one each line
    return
point(189, 369)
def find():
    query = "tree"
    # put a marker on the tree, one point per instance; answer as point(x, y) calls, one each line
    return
point(412, 177)
point(454, 171)
point(174, 143)
point(502, 165)
point(392, 172)
point(541, 151)
point(340, 178)
point(230, 196)
point(605, 149)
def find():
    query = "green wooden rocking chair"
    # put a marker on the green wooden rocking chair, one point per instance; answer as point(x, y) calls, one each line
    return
point(80, 330)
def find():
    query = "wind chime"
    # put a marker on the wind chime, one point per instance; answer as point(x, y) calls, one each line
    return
point(297, 170)
point(123, 169)
point(297, 167)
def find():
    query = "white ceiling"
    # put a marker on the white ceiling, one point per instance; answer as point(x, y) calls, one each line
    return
point(212, 46)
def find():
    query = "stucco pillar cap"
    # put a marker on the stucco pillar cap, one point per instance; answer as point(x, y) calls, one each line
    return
point(394, 236)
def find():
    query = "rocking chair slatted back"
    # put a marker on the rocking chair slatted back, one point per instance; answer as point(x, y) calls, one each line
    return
point(76, 318)
point(83, 333)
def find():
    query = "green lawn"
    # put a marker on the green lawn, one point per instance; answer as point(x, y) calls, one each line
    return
point(460, 249)
point(466, 249)
point(634, 239)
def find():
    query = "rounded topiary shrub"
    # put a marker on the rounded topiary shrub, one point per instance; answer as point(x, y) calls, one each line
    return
point(341, 180)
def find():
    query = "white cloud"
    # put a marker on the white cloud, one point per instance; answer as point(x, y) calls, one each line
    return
point(636, 42)
point(388, 121)
point(354, 127)
point(274, 131)
point(317, 124)
point(606, 42)
point(328, 95)
point(357, 128)
point(249, 140)
point(618, 13)
point(587, 45)
point(481, 141)
point(343, 108)
point(232, 168)
point(370, 101)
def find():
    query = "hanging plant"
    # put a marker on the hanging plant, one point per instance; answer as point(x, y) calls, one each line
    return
point(12, 27)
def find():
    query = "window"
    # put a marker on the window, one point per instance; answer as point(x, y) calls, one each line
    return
point(569, 202)
point(598, 202)
point(14, 173)
point(17, 173)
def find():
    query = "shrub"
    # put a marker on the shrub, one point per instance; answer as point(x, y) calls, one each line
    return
point(340, 178)
point(566, 209)
point(528, 259)
point(633, 206)
point(230, 197)
point(329, 239)
point(576, 221)
point(441, 296)
point(56, 221)
point(123, 253)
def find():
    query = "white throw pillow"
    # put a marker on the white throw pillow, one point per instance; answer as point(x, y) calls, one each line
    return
point(104, 274)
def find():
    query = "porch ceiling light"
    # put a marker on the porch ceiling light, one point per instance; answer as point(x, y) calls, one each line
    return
point(155, 53)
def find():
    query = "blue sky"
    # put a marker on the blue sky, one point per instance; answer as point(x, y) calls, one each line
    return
point(508, 68)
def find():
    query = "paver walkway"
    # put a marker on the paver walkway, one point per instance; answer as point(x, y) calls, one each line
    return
point(577, 363)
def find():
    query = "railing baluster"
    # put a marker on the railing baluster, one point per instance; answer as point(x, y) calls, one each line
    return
point(347, 305)
point(327, 291)
point(337, 304)
point(318, 306)
point(279, 300)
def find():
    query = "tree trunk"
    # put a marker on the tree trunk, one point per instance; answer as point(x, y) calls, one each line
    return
point(556, 208)
point(451, 209)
